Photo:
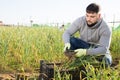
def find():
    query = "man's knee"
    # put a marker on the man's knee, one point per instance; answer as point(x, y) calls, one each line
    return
point(72, 40)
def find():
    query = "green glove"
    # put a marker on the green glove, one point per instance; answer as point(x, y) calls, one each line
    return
point(67, 46)
point(80, 52)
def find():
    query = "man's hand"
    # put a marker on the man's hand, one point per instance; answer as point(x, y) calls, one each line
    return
point(67, 46)
point(80, 52)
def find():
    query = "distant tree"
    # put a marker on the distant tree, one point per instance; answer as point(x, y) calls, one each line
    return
point(31, 22)
point(35, 25)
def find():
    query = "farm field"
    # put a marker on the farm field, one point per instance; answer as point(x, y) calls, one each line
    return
point(22, 48)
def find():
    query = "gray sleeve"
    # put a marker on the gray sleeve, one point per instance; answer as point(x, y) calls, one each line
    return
point(74, 27)
point(104, 42)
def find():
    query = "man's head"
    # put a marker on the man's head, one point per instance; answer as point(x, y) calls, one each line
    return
point(92, 14)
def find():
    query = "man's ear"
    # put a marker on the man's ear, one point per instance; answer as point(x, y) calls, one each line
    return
point(99, 15)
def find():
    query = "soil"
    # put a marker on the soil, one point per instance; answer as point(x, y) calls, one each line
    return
point(19, 76)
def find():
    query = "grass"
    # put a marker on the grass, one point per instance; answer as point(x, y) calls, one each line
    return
point(21, 48)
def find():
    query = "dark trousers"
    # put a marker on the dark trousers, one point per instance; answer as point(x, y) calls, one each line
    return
point(77, 43)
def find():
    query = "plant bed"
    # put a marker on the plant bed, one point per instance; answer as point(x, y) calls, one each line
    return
point(48, 70)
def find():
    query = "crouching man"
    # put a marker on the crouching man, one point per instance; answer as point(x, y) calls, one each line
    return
point(95, 35)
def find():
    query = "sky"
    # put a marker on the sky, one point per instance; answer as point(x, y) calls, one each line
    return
point(53, 11)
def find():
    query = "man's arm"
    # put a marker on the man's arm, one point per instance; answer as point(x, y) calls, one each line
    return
point(104, 42)
point(74, 27)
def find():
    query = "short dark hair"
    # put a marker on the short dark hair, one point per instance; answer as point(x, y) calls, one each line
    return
point(93, 8)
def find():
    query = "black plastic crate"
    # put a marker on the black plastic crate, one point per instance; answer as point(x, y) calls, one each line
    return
point(47, 71)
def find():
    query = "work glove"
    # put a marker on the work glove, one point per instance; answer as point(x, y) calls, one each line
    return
point(67, 46)
point(80, 52)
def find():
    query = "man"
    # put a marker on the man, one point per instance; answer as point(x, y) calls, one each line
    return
point(95, 35)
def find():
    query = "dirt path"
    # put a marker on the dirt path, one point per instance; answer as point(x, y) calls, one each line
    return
point(19, 76)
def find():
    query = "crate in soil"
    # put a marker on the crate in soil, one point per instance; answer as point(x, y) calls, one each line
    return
point(47, 71)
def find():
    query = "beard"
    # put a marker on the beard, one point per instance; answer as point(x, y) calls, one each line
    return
point(90, 25)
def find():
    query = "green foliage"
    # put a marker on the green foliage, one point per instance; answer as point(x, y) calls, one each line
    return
point(118, 28)
point(115, 44)
point(24, 47)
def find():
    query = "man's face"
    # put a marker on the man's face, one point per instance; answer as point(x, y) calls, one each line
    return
point(92, 18)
